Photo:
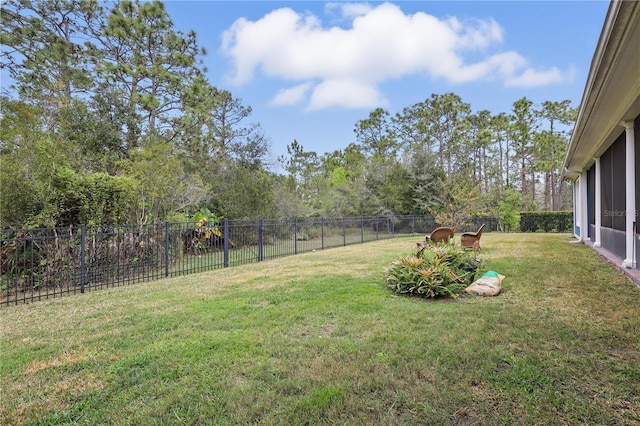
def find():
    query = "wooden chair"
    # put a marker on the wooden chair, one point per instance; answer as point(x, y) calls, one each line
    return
point(438, 235)
point(471, 240)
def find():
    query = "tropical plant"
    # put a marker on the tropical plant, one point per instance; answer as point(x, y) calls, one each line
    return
point(441, 270)
point(205, 234)
point(208, 222)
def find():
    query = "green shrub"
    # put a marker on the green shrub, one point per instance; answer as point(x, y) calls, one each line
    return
point(443, 270)
point(546, 221)
point(509, 214)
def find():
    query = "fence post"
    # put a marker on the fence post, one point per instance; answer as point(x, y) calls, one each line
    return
point(361, 229)
point(83, 234)
point(295, 236)
point(260, 239)
point(377, 227)
point(393, 227)
point(226, 242)
point(322, 231)
point(166, 249)
point(344, 233)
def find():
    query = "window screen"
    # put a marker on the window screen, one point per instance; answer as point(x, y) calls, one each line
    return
point(591, 194)
point(637, 152)
point(605, 185)
point(618, 171)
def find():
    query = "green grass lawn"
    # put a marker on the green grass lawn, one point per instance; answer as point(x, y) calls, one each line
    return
point(318, 339)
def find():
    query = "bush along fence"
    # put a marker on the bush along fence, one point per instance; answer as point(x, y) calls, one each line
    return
point(546, 221)
point(45, 263)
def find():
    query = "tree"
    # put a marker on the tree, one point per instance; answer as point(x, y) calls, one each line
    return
point(211, 133)
point(161, 179)
point(522, 134)
point(480, 139)
point(342, 172)
point(246, 144)
point(426, 181)
point(376, 136)
point(351, 159)
point(445, 125)
point(95, 133)
point(43, 49)
point(500, 133)
point(242, 192)
point(509, 209)
point(140, 56)
point(388, 189)
point(302, 166)
point(412, 127)
point(460, 201)
point(551, 147)
point(20, 128)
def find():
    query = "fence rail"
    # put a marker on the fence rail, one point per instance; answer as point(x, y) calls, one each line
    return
point(38, 264)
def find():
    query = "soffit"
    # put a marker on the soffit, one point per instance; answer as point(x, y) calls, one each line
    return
point(612, 94)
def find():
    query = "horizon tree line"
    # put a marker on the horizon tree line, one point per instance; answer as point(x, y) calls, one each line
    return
point(111, 119)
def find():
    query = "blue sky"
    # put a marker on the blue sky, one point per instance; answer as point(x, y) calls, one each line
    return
point(310, 70)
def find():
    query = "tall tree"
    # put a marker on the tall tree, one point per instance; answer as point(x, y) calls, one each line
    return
point(43, 49)
point(302, 167)
point(95, 132)
point(500, 133)
point(522, 130)
point(194, 131)
point(445, 125)
point(143, 58)
point(375, 135)
point(426, 182)
point(235, 139)
point(212, 131)
point(461, 200)
point(351, 159)
point(477, 147)
point(551, 147)
point(387, 189)
point(343, 174)
point(411, 126)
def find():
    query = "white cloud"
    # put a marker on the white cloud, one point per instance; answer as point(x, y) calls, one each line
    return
point(381, 43)
point(533, 78)
point(292, 95)
point(348, 10)
point(476, 33)
point(345, 93)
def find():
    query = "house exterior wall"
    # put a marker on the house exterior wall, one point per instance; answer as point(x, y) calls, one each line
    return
point(637, 163)
point(612, 196)
point(591, 200)
point(603, 157)
point(576, 211)
point(612, 191)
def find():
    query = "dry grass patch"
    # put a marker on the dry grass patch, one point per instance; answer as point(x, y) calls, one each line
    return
point(63, 360)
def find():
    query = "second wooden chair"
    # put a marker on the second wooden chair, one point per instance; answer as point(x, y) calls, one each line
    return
point(471, 240)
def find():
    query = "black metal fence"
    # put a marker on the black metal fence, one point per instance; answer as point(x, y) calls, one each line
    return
point(38, 264)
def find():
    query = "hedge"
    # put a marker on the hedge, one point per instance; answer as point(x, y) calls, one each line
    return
point(546, 221)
